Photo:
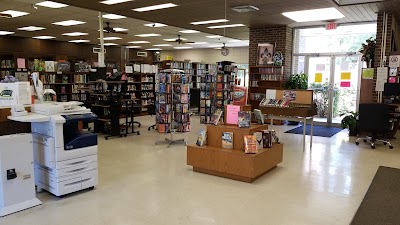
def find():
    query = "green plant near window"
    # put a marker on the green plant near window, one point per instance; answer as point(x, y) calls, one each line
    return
point(350, 122)
point(321, 99)
point(297, 81)
point(368, 51)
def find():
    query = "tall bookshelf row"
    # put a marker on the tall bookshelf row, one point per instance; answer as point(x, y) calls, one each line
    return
point(207, 94)
point(141, 87)
point(262, 78)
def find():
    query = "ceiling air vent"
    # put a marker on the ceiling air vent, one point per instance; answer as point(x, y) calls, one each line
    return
point(245, 8)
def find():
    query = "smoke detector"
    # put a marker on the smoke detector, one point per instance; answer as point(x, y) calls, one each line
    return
point(245, 8)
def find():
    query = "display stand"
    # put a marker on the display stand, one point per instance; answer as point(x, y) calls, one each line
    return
point(207, 104)
point(172, 109)
point(233, 163)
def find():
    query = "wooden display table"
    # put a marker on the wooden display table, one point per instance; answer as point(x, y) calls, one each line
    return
point(234, 164)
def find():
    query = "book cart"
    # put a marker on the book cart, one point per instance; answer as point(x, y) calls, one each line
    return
point(172, 104)
point(233, 163)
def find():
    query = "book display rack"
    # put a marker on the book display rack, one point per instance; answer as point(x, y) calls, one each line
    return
point(172, 104)
point(207, 92)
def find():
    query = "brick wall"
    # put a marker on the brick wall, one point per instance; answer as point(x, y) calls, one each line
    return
point(281, 36)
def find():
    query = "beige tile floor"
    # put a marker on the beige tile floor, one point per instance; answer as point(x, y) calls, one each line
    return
point(140, 183)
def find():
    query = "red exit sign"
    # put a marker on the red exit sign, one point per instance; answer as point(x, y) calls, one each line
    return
point(331, 26)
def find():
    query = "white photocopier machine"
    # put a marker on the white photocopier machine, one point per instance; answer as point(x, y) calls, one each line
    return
point(65, 158)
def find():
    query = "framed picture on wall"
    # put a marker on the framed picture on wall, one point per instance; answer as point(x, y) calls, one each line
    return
point(265, 54)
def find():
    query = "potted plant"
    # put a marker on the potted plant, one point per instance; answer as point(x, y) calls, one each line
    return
point(297, 81)
point(368, 52)
point(350, 122)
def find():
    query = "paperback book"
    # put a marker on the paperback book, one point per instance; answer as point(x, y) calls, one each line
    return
point(267, 139)
point(216, 117)
point(244, 119)
point(201, 139)
point(250, 144)
point(227, 140)
point(259, 139)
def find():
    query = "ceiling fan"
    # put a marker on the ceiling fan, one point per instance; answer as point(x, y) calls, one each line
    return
point(179, 40)
point(224, 50)
point(109, 29)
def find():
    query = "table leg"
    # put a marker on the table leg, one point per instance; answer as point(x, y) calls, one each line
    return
point(272, 123)
point(311, 131)
point(304, 133)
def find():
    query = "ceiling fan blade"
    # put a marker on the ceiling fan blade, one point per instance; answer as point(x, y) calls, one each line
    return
point(190, 42)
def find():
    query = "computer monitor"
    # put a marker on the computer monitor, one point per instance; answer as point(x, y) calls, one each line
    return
point(391, 89)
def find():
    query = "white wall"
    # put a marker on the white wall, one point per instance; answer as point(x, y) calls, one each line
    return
point(209, 56)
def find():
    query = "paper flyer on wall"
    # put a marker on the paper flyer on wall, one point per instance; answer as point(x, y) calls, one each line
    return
point(270, 94)
point(381, 78)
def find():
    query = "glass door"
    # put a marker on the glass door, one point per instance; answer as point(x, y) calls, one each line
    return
point(319, 72)
point(335, 82)
point(346, 86)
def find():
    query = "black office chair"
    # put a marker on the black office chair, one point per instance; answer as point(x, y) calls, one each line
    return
point(375, 118)
point(151, 110)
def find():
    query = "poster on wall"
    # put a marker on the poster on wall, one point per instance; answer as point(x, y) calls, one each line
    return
point(265, 54)
point(289, 95)
point(368, 73)
point(394, 61)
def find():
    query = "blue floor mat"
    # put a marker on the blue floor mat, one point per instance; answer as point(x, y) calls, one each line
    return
point(318, 131)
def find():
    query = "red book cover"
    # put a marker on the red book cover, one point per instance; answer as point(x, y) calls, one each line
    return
point(240, 95)
point(250, 144)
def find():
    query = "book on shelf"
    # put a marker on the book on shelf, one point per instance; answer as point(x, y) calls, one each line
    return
point(227, 140)
point(259, 116)
point(164, 108)
point(216, 117)
point(185, 108)
point(184, 88)
point(163, 128)
point(162, 99)
point(250, 144)
point(240, 95)
point(185, 98)
point(50, 66)
point(259, 139)
point(267, 139)
point(244, 119)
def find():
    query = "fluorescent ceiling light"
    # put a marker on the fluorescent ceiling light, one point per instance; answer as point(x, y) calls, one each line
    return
point(133, 46)
point(218, 48)
point(3, 32)
point(44, 37)
point(162, 45)
point(139, 42)
point(155, 7)
point(233, 41)
point(50, 4)
point(174, 39)
point(189, 31)
point(111, 38)
point(69, 23)
point(215, 46)
point(214, 36)
point(118, 29)
point(155, 25)
point(78, 41)
point(74, 34)
point(314, 15)
point(198, 43)
point(209, 21)
point(109, 44)
point(14, 13)
point(112, 2)
point(31, 28)
point(153, 49)
point(226, 26)
point(182, 47)
point(147, 35)
point(113, 16)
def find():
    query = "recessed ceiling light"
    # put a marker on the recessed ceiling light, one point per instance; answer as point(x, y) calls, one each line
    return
point(111, 38)
point(113, 16)
point(139, 42)
point(44, 37)
point(174, 39)
point(155, 25)
point(14, 13)
point(162, 45)
point(189, 31)
point(133, 46)
point(226, 26)
point(69, 23)
point(31, 28)
point(147, 35)
point(214, 36)
point(118, 29)
point(73, 34)
point(209, 21)
point(155, 7)
point(109, 44)
point(182, 47)
point(50, 4)
point(314, 15)
point(79, 41)
point(112, 2)
point(153, 49)
point(198, 43)
point(3, 32)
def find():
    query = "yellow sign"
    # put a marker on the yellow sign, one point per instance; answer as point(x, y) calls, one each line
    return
point(345, 76)
point(318, 78)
